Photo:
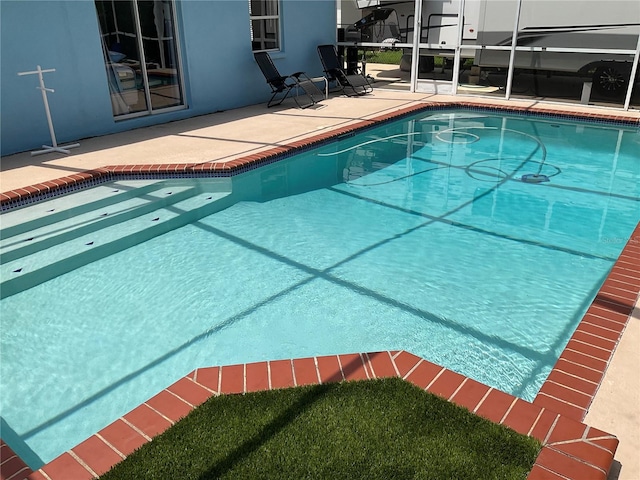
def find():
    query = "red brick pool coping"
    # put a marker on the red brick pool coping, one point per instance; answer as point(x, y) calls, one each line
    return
point(572, 450)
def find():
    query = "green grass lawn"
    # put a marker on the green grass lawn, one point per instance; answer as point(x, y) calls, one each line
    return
point(393, 56)
point(375, 429)
point(390, 57)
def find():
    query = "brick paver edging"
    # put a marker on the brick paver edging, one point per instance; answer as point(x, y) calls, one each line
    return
point(88, 178)
point(571, 449)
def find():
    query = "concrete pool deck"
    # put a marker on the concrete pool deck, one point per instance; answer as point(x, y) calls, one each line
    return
point(606, 389)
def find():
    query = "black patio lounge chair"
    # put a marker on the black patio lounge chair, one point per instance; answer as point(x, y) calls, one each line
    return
point(354, 84)
point(304, 87)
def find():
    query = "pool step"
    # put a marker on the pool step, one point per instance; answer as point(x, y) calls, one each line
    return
point(97, 238)
point(68, 228)
point(65, 207)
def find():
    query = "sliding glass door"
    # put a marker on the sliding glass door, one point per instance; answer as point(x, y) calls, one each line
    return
point(141, 55)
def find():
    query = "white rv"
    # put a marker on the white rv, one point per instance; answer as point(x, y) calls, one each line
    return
point(545, 29)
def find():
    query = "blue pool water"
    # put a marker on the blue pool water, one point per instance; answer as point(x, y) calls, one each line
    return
point(418, 235)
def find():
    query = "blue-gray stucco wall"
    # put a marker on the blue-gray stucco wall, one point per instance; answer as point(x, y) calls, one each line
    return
point(219, 70)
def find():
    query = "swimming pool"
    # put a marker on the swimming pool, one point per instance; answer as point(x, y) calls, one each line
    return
point(418, 235)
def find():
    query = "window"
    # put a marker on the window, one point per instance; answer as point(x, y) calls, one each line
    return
point(265, 24)
point(139, 45)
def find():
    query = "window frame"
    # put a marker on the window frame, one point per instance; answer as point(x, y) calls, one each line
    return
point(264, 19)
